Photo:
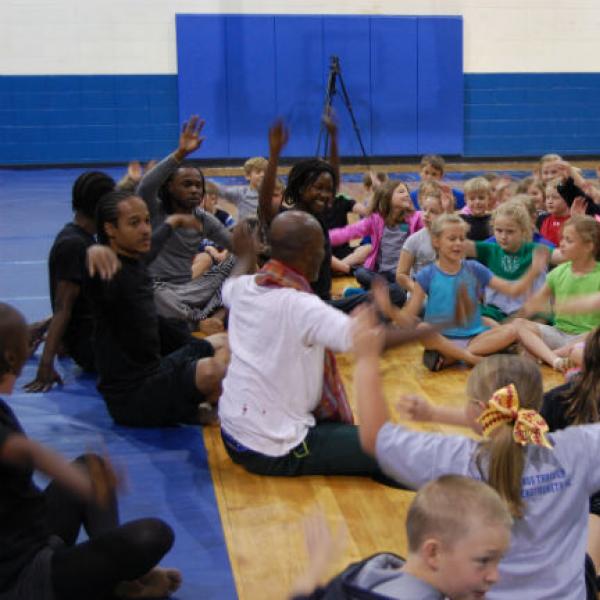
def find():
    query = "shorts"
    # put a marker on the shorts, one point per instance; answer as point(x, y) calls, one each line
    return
point(555, 338)
point(167, 396)
point(462, 342)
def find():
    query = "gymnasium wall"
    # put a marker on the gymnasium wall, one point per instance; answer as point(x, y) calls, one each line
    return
point(96, 81)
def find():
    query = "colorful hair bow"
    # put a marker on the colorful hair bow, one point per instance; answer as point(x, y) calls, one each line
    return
point(503, 407)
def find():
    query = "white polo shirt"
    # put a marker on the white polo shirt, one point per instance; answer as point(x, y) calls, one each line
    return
point(278, 338)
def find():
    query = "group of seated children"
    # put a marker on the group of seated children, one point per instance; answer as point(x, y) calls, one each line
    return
point(139, 269)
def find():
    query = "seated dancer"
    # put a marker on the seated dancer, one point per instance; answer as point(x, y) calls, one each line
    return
point(175, 188)
point(141, 388)
point(40, 558)
point(283, 409)
point(71, 324)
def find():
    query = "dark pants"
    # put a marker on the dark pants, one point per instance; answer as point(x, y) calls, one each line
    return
point(113, 553)
point(365, 277)
point(328, 449)
point(165, 397)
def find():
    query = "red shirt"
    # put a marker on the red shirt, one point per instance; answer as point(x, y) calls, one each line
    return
point(551, 228)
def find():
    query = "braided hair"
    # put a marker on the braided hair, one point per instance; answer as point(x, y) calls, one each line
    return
point(164, 194)
point(88, 188)
point(303, 175)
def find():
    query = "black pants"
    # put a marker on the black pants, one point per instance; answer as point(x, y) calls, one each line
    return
point(113, 553)
point(327, 449)
point(365, 277)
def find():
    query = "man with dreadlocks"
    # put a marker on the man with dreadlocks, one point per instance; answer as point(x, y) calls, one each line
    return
point(71, 325)
point(173, 187)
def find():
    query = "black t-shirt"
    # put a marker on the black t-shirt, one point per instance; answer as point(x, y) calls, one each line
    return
point(67, 262)
point(337, 216)
point(23, 524)
point(126, 327)
point(480, 229)
point(555, 405)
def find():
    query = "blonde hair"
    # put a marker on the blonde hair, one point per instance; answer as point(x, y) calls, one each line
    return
point(278, 186)
point(478, 184)
point(515, 210)
point(435, 161)
point(525, 184)
point(549, 158)
point(500, 456)
point(446, 507)
point(588, 229)
point(445, 220)
point(257, 163)
point(553, 183)
point(429, 188)
point(529, 203)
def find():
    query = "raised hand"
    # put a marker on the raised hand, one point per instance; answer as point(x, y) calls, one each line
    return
point(278, 137)
point(134, 171)
point(45, 378)
point(579, 206)
point(415, 407)
point(330, 121)
point(190, 138)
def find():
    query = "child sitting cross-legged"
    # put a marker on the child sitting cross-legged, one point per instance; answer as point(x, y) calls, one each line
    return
point(449, 278)
point(458, 530)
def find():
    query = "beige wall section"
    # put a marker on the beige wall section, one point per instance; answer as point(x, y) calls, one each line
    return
point(43, 37)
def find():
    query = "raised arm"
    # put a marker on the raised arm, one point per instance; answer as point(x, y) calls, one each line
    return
point(278, 138)
point(189, 141)
point(332, 129)
point(367, 340)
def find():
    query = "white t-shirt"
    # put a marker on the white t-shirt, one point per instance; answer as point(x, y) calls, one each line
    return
point(274, 381)
point(547, 552)
point(419, 246)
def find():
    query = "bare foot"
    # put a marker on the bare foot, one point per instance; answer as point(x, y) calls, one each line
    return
point(157, 583)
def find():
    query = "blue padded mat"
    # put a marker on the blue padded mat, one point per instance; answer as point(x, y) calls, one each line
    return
point(167, 468)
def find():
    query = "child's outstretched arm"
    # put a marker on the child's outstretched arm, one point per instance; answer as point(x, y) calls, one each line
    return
point(522, 285)
point(278, 138)
point(418, 408)
point(579, 304)
point(368, 338)
point(329, 120)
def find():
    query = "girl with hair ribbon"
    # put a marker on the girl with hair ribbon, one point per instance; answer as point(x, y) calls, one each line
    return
point(545, 478)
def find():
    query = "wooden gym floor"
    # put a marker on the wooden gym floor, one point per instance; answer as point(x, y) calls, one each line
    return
point(262, 516)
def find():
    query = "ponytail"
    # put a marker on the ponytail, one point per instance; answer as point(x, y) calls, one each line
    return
point(500, 459)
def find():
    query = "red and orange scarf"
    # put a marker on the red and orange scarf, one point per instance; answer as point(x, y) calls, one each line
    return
point(334, 404)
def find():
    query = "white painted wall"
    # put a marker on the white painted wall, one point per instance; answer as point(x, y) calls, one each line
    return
point(43, 37)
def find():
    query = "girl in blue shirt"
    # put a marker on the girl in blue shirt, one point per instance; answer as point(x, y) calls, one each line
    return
point(451, 277)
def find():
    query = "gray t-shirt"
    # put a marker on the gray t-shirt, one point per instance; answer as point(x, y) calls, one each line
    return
point(419, 246)
point(243, 196)
point(391, 243)
point(548, 546)
point(174, 261)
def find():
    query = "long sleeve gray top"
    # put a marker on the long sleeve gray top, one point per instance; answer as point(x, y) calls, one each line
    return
point(174, 262)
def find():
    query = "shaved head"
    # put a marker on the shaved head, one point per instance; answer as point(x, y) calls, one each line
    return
point(297, 240)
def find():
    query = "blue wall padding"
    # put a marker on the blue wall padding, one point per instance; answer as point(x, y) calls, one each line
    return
point(278, 65)
point(86, 119)
point(394, 85)
point(300, 79)
point(440, 86)
point(250, 91)
point(532, 114)
point(204, 84)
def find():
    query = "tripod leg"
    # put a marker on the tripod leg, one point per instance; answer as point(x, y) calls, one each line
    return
point(355, 126)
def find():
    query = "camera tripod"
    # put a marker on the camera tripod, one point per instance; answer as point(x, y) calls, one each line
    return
point(335, 74)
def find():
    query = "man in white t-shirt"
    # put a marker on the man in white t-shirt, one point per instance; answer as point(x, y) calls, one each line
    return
point(278, 337)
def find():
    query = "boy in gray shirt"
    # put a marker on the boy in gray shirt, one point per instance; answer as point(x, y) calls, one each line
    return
point(458, 529)
point(245, 197)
